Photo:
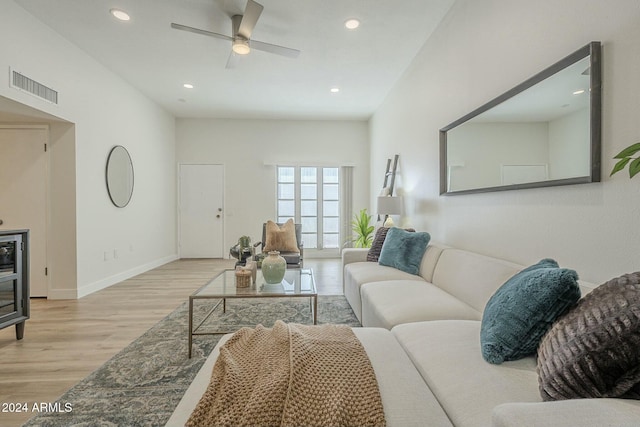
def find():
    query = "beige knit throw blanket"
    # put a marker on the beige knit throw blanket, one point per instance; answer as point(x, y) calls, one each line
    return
point(291, 375)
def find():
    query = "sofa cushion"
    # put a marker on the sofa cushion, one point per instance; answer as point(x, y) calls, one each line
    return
point(569, 413)
point(406, 399)
point(447, 354)
point(367, 272)
point(358, 273)
point(404, 250)
point(430, 259)
point(594, 350)
point(390, 303)
point(519, 314)
point(471, 277)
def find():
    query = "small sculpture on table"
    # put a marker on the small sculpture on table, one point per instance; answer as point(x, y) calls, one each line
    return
point(243, 250)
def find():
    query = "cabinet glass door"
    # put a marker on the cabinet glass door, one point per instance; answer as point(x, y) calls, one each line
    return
point(9, 272)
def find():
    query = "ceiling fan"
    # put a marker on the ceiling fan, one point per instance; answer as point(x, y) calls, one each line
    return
point(241, 28)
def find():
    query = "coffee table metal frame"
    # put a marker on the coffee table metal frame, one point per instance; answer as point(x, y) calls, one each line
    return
point(297, 283)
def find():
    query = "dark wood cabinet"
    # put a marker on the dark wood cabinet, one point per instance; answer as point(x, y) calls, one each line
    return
point(14, 279)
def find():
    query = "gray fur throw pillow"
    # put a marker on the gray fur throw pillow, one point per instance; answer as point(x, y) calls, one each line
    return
point(594, 349)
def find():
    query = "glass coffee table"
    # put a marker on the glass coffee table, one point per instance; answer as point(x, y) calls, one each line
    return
point(297, 282)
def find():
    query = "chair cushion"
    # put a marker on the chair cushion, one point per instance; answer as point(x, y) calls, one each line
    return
point(404, 250)
point(281, 238)
point(291, 257)
point(593, 351)
point(523, 309)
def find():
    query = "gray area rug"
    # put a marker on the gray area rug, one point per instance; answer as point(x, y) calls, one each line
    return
point(142, 385)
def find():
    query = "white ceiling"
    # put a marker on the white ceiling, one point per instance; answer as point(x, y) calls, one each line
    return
point(156, 59)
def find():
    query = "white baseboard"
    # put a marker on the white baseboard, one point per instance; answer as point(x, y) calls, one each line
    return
point(117, 278)
point(62, 294)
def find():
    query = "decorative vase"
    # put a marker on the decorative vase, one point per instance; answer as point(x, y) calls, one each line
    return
point(274, 268)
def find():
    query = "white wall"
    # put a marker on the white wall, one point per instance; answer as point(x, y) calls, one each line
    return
point(480, 50)
point(250, 149)
point(106, 111)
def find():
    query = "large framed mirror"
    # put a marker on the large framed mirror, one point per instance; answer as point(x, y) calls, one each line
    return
point(119, 176)
point(544, 132)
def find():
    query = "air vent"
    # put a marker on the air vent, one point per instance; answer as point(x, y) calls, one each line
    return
point(23, 82)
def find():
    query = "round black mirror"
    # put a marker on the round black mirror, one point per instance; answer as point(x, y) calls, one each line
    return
point(119, 176)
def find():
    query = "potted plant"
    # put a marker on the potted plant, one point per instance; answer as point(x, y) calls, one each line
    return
point(362, 229)
point(626, 158)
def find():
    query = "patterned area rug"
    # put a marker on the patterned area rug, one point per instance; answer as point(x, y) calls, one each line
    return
point(142, 385)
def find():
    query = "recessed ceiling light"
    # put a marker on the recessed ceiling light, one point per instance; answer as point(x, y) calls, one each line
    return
point(352, 24)
point(188, 85)
point(120, 14)
point(334, 90)
point(578, 92)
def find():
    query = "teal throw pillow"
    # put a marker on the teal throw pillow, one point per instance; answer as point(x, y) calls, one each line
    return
point(523, 309)
point(404, 250)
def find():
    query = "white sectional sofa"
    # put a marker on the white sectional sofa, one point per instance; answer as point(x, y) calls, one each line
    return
point(453, 284)
point(422, 335)
point(436, 319)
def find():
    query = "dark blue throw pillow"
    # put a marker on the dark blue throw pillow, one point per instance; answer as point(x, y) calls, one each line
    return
point(404, 250)
point(522, 310)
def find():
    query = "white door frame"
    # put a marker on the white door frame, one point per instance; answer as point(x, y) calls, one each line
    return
point(47, 192)
point(224, 203)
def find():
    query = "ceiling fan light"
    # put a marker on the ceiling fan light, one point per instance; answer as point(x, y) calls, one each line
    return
point(241, 46)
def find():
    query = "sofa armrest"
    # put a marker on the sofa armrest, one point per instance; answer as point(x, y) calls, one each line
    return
point(568, 413)
point(350, 255)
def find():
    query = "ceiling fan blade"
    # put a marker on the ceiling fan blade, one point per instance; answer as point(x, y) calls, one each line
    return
point(199, 31)
point(274, 48)
point(249, 19)
point(233, 60)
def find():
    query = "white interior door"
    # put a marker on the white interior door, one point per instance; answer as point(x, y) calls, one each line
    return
point(201, 211)
point(23, 204)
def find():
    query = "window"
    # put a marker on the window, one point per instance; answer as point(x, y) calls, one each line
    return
point(311, 196)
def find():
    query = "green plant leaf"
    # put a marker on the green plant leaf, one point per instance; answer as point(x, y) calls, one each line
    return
point(629, 151)
point(360, 225)
point(620, 165)
point(634, 168)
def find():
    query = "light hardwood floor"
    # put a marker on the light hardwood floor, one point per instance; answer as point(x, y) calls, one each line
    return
point(66, 340)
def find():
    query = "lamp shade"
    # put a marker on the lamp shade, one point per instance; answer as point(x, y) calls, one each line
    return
point(389, 205)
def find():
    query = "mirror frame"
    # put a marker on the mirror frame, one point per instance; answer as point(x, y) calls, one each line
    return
point(593, 50)
point(110, 167)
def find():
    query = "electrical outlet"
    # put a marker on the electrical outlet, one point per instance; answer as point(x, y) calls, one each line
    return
point(107, 256)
